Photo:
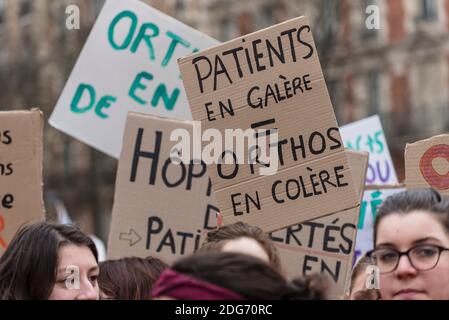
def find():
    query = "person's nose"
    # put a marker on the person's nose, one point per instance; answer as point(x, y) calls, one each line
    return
point(405, 268)
point(88, 291)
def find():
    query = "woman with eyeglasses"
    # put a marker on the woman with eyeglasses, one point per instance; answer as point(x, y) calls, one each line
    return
point(411, 241)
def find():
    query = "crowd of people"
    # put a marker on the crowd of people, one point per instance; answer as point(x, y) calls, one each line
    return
point(410, 260)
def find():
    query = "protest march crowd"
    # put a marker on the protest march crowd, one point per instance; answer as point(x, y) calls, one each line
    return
point(235, 262)
point(213, 231)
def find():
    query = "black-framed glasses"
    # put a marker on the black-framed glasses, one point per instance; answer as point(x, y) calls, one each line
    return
point(422, 257)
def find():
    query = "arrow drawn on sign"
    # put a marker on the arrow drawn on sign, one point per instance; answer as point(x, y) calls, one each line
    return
point(132, 236)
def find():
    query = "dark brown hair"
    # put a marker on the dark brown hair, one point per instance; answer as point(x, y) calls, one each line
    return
point(130, 278)
point(239, 230)
point(28, 268)
point(428, 200)
point(250, 277)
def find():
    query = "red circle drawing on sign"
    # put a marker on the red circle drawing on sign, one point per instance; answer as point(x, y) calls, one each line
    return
point(433, 178)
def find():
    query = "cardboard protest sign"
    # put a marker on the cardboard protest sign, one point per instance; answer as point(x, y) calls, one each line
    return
point(160, 208)
point(271, 79)
point(127, 64)
point(21, 199)
point(427, 164)
point(325, 245)
point(368, 135)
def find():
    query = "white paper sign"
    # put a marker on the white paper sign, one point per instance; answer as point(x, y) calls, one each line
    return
point(368, 135)
point(129, 63)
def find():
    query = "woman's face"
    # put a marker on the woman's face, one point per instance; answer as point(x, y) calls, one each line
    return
point(402, 232)
point(77, 274)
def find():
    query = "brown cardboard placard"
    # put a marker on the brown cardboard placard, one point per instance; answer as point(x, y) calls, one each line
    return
point(357, 161)
point(160, 208)
point(325, 245)
point(21, 197)
point(272, 79)
point(427, 164)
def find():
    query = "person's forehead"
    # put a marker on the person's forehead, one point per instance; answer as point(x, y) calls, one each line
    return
point(244, 242)
point(246, 245)
point(404, 229)
point(73, 255)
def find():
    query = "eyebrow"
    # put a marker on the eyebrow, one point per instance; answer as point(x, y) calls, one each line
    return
point(418, 241)
point(92, 269)
point(96, 268)
point(63, 271)
point(385, 244)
